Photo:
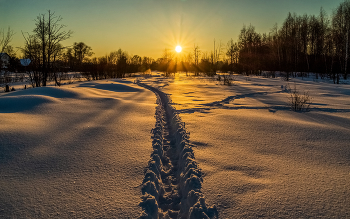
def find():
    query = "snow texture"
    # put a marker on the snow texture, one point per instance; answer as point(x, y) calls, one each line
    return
point(173, 181)
point(77, 151)
point(258, 157)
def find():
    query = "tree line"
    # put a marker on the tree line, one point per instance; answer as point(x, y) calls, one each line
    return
point(318, 44)
point(302, 45)
point(49, 60)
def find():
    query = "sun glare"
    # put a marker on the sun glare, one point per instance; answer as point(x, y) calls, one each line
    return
point(178, 49)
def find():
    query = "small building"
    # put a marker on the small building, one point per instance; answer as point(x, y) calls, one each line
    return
point(4, 60)
point(25, 62)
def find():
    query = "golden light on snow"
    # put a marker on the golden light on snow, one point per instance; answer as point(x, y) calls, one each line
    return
point(178, 48)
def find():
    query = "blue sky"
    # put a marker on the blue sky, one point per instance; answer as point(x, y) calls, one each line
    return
point(147, 27)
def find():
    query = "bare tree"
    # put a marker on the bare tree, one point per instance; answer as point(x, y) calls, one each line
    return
point(5, 39)
point(167, 63)
point(81, 51)
point(341, 25)
point(32, 50)
point(146, 63)
point(196, 52)
point(48, 33)
point(249, 44)
point(340, 30)
point(232, 53)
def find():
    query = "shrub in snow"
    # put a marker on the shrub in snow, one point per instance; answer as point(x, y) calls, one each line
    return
point(299, 102)
point(286, 88)
point(227, 80)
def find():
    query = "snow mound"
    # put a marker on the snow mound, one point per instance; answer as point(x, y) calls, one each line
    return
point(54, 92)
point(27, 100)
point(22, 103)
point(122, 81)
point(111, 87)
point(79, 157)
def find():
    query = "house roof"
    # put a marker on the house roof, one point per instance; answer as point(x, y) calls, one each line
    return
point(4, 54)
point(25, 62)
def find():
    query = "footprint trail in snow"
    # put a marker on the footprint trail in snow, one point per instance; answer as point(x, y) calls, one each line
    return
point(172, 184)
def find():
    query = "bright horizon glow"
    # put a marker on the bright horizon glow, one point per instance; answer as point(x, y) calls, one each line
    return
point(147, 27)
point(178, 49)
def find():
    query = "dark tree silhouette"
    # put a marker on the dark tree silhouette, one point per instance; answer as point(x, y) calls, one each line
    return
point(5, 39)
point(81, 51)
point(301, 45)
point(232, 53)
point(47, 35)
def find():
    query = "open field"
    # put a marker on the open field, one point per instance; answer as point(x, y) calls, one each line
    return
point(76, 151)
point(80, 150)
point(259, 158)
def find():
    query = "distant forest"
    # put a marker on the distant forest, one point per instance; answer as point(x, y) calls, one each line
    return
point(303, 44)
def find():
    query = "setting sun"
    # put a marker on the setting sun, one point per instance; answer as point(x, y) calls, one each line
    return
point(178, 49)
point(181, 108)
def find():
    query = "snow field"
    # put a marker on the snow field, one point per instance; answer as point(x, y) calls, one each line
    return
point(78, 154)
point(260, 159)
point(79, 150)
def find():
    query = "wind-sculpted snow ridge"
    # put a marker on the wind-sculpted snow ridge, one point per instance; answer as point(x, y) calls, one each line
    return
point(172, 184)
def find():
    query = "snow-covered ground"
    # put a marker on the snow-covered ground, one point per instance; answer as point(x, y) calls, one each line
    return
point(80, 150)
point(77, 151)
point(259, 158)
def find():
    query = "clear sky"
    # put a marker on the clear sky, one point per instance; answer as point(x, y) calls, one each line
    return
point(147, 27)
